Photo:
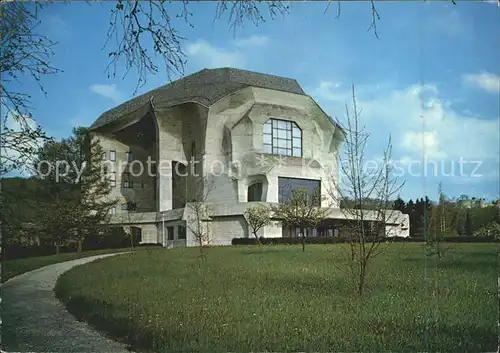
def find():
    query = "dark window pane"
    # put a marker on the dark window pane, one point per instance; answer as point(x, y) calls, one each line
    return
point(182, 232)
point(170, 233)
point(255, 192)
point(287, 185)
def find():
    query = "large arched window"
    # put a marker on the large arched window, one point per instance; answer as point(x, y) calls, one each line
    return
point(282, 137)
point(254, 192)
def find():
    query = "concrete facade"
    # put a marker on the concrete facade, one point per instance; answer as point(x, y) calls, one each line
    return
point(205, 136)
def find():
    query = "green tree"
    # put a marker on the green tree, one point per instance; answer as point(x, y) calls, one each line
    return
point(72, 173)
point(301, 211)
point(92, 185)
point(399, 205)
point(258, 217)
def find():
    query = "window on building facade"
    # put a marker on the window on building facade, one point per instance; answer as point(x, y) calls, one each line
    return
point(112, 210)
point(254, 192)
point(170, 233)
point(112, 156)
point(128, 156)
point(287, 185)
point(182, 232)
point(127, 180)
point(282, 137)
point(193, 149)
point(112, 179)
point(104, 156)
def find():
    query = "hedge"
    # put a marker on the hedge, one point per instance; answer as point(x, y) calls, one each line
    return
point(339, 240)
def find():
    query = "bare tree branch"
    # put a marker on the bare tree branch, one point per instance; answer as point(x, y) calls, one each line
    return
point(133, 21)
point(369, 192)
point(24, 54)
point(242, 11)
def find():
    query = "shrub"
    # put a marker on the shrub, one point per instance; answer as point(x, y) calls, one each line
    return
point(341, 239)
point(490, 230)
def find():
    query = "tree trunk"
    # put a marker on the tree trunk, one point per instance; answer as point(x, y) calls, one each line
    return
point(58, 248)
point(258, 240)
point(303, 239)
point(80, 246)
point(362, 273)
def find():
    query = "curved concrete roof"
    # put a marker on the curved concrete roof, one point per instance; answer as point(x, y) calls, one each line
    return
point(204, 87)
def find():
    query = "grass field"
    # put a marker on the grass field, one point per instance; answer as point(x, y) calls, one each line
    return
point(282, 299)
point(12, 268)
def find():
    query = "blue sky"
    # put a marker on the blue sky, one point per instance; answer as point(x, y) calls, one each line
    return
point(434, 60)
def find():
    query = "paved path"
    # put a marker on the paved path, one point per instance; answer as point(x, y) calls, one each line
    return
point(34, 320)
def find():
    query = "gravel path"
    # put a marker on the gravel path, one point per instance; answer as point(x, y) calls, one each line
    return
point(34, 320)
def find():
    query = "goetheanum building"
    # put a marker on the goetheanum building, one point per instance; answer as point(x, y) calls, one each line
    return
point(247, 137)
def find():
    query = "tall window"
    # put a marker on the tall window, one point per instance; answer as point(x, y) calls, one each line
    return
point(182, 232)
point(104, 156)
point(112, 179)
point(287, 185)
point(112, 156)
point(255, 192)
point(193, 149)
point(127, 180)
point(282, 137)
point(128, 156)
point(170, 233)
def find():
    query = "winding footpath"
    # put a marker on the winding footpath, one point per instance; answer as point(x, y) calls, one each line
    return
point(34, 320)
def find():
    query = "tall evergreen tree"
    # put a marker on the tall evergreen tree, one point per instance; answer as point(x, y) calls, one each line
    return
point(468, 224)
point(72, 173)
point(399, 205)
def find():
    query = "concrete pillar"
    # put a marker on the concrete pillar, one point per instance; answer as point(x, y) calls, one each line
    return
point(242, 191)
point(170, 148)
point(272, 189)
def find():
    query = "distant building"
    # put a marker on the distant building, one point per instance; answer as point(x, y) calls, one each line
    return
point(254, 136)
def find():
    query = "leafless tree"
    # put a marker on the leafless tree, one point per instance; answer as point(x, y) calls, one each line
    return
point(198, 222)
point(134, 23)
point(439, 225)
point(370, 192)
point(25, 54)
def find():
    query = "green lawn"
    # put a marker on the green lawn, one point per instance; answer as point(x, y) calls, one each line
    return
point(12, 268)
point(281, 299)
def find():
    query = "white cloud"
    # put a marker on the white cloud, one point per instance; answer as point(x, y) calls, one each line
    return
point(488, 81)
point(212, 57)
point(495, 2)
point(252, 41)
point(107, 91)
point(411, 115)
point(426, 143)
